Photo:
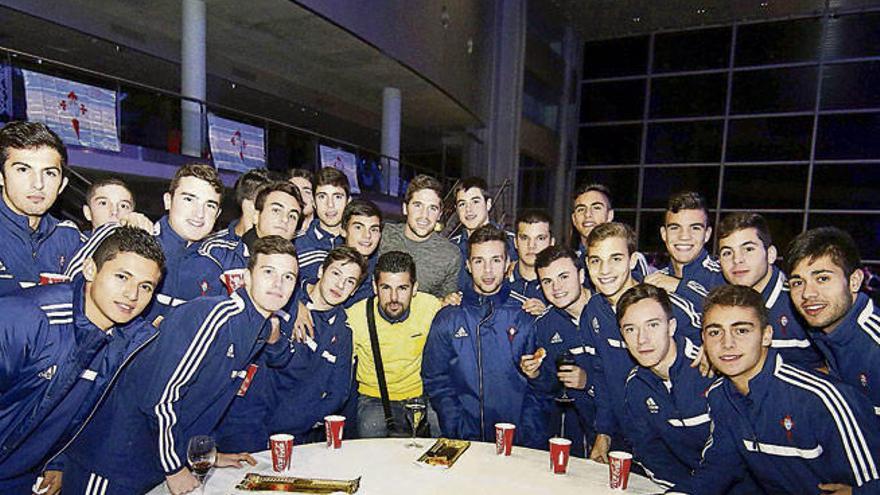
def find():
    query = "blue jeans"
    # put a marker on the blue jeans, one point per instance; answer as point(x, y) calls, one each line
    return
point(371, 418)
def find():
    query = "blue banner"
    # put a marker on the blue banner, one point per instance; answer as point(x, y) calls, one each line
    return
point(235, 146)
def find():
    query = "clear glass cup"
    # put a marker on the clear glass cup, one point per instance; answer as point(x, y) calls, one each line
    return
point(415, 409)
point(201, 452)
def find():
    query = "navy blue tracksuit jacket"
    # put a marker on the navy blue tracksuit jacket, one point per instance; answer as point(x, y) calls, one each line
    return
point(697, 278)
point(790, 337)
point(312, 247)
point(523, 289)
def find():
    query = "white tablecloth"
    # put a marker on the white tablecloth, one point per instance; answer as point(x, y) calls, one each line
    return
point(386, 466)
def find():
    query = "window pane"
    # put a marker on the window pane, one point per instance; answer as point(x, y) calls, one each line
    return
point(783, 228)
point(764, 187)
point(620, 100)
point(848, 136)
point(660, 183)
point(684, 142)
point(692, 50)
point(649, 237)
point(624, 183)
point(688, 96)
point(775, 90)
point(613, 145)
point(850, 186)
point(863, 228)
point(853, 36)
point(778, 42)
point(851, 86)
point(617, 57)
point(765, 139)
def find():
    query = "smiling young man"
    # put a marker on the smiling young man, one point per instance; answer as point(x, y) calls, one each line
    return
point(533, 235)
point(692, 273)
point(33, 172)
point(61, 347)
point(556, 331)
point(747, 256)
point(437, 260)
point(107, 200)
point(331, 194)
point(469, 366)
point(826, 279)
point(182, 384)
point(363, 233)
point(795, 431)
point(610, 256)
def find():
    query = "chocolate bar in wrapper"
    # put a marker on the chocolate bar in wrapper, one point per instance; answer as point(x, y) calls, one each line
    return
point(267, 483)
point(444, 453)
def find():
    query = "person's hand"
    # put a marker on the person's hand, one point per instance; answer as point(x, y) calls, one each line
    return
point(303, 326)
point(534, 307)
point(453, 298)
point(234, 460)
point(275, 333)
point(530, 364)
point(601, 446)
point(703, 363)
point(662, 280)
point(139, 220)
point(181, 482)
point(51, 484)
point(158, 321)
point(572, 376)
point(835, 489)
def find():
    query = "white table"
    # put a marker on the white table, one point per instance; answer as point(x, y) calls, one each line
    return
point(386, 466)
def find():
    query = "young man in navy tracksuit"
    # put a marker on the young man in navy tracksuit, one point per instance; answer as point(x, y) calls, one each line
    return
point(533, 235)
point(747, 256)
point(610, 255)
point(61, 347)
point(331, 194)
point(794, 430)
point(33, 172)
point(181, 384)
point(470, 364)
point(826, 277)
point(691, 273)
point(107, 201)
point(666, 412)
point(557, 332)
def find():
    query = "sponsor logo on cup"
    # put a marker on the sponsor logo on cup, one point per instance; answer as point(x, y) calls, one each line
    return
point(619, 464)
point(504, 438)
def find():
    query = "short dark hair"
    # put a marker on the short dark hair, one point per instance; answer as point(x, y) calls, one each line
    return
point(825, 241)
point(248, 184)
point(271, 244)
point(422, 181)
point(109, 181)
point(487, 233)
point(329, 176)
point(744, 220)
point(613, 229)
point(301, 173)
point(586, 187)
point(200, 171)
point(687, 200)
point(738, 296)
point(396, 262)
point(21, 135)
point(533, 215)
point(470, 183)
point(280, 186)
point(363, 208)
point(346, 255)
point(129, 240)
point(640, 292)
point(556, 252)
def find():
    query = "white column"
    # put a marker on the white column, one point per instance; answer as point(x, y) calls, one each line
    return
point(391, 134)
point(192, 73)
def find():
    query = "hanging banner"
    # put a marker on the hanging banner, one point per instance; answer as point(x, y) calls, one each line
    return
point(343, 161)
point(234, 145)
point(80, 114)
point(6, 91)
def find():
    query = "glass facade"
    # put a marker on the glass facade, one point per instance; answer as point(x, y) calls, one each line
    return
point(779, 117)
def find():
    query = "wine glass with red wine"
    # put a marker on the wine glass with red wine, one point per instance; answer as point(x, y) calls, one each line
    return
point(201, 454)
point(565, 358)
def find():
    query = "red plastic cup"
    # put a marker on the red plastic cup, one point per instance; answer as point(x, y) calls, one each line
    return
point(281, 445)
point(619, 464)
point(504, 437)
point(233, 279)
point(559, 452)
point(333, 426)
point(52, 278)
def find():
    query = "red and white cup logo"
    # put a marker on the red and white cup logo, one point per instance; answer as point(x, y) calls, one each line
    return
point(233, 279)
point(560, 449)
point(619, 464)
point(504, 437)
point(281, 445)
point(333, 426)
point(52, 278)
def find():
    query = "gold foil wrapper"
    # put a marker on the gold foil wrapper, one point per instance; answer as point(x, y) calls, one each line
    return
point(444, 452)
point(266, 483)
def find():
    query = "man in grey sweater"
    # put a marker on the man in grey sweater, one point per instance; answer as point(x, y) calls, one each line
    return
point(437, 260)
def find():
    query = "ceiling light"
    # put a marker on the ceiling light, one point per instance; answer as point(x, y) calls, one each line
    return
point(701, 11)
point(637, 19)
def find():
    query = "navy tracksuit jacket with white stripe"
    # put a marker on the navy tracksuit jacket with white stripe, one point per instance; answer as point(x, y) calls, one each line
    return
point(54, 365)
point(794, 429)
point(312, 247)
point(523, 289)
point(697, 278)
point(790, 338)
point(177, 387)
point(853, 348)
